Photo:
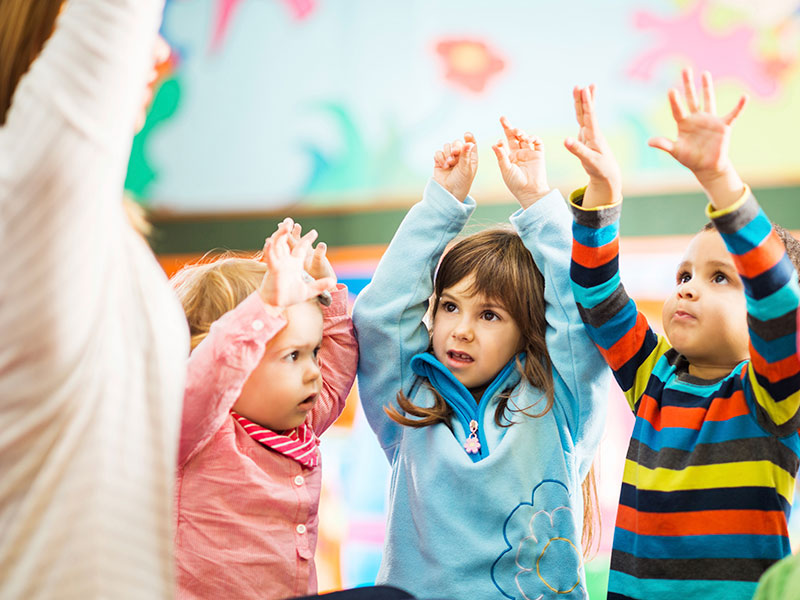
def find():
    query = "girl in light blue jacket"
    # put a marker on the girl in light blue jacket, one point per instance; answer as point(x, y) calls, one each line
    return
point(491, 419)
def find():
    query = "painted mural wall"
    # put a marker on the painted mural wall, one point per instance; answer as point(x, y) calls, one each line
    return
point(329, 102)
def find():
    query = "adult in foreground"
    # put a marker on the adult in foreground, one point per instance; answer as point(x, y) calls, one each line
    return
point(94, 342)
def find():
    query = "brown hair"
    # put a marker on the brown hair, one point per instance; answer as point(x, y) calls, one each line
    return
point(504, 271)
point(209, 290)
point(790, 243)
point(25, 26)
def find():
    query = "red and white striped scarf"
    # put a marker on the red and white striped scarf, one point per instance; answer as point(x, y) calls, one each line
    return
point(300, 444)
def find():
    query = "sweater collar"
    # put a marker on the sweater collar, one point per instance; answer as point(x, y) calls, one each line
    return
point(468, 412)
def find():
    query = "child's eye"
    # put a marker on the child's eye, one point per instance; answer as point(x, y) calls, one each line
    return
point(449, 306)
point(292, 356)
point(683, 277)
point(316, 352)
point(720, 277)
point(489, 315)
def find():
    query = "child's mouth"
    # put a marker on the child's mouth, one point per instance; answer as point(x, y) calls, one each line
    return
point(308, 403)
point(459, 356)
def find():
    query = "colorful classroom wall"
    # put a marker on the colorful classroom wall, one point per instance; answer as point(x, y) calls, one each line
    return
point(330, 111)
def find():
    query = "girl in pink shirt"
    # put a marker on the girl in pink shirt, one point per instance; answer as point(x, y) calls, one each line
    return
point(269, 372)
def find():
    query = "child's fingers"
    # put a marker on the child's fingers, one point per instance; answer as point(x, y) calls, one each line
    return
point(469, 138)
point(689, 90)
point(303, 247)
point(501, 153)
point(438, 159)
point(675, 105)
point(662, 143)
point(319, 255)
point(512, 133)
point(591, 92)
point(734, 114)
point(576, 97)
point(469, 149)
point(589, 118)
point(579, 149)
point(709, 101)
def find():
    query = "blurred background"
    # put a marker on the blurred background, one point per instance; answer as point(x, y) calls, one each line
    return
point(329, 111)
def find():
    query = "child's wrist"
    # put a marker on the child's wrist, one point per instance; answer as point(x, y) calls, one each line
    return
point(723, 187)
point(529, 198)
point(270, 304)
point(601, 192)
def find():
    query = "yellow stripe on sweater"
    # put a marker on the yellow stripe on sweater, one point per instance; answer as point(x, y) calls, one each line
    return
point(760, 473)
point(779, 412)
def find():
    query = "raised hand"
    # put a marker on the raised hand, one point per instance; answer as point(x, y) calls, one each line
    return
point(317, 264)
point(703, 140)
point(591, 148)
point(284, 283)
point(455, 166)
point(522, 164)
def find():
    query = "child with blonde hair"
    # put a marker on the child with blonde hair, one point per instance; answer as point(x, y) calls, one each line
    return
point(269, 372)
point(499, 406)
point(710, 471)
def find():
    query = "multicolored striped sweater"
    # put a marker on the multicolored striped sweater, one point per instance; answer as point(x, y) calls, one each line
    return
point(710, 472)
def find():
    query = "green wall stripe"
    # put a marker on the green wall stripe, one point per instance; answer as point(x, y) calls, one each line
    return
point(668, 214)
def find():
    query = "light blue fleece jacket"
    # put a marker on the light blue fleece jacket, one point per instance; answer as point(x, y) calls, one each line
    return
point(507, 522)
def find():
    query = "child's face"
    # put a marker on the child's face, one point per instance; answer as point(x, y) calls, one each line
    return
point(472, 336)
point(706, 317)
point(284, 387)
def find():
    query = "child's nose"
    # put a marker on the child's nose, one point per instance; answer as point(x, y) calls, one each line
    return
point(463, 330)
point(687, 290)
point(312, 370)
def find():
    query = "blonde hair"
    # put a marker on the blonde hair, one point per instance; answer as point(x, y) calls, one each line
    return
point(209, 290)
point(25, 26)
point(504, 271)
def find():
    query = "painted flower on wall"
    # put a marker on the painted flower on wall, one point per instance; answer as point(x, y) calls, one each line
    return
point(469, 63)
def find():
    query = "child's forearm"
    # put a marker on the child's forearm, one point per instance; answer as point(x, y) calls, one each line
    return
point(601, 192)
point(338, 358)
point(218, 368)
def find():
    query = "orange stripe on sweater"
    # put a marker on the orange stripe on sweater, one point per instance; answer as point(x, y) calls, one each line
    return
point(776, 371)
point(627, 346)
point(721, 409)
point(761, 258)
point(703, 522)
point(591, 258)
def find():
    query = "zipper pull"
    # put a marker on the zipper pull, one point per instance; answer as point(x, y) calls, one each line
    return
point(471, 444)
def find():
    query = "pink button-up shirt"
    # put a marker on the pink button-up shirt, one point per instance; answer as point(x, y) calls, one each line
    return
point(247, 515)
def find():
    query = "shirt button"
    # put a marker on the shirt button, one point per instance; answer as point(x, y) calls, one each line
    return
point(258, 325)
point(301, 529)
point(299, 480)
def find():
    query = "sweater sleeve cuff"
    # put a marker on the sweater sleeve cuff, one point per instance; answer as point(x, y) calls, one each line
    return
point(715, 214)
point(443, 201)
point(596, 217)
point(339, 304)
point(542, 211)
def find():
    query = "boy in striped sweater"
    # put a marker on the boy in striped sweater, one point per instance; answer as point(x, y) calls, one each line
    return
point(710, 471)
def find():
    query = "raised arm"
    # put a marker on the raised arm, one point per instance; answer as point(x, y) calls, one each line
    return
point(543, 221)
point(772, 295)
point(338, 358)
point(620, 332)
point(63, 153)
point(768, 276)
point(219, 367)
point(388, 313)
